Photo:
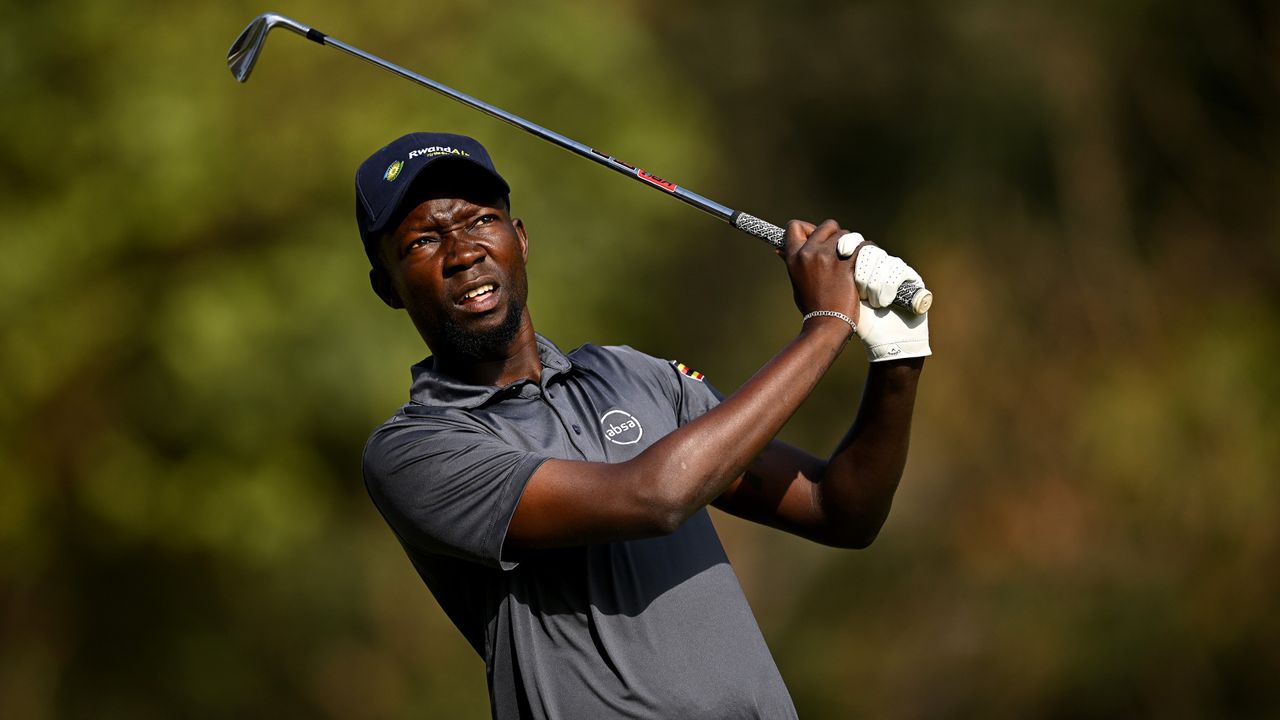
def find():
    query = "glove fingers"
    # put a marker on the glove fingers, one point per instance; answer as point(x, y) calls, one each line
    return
point(870, 257)
point(884, 286)
point(878, 275)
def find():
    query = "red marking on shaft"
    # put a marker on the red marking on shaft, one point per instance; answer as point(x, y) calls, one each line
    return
point(655, 180)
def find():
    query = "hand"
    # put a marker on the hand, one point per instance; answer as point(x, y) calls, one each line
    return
point(893, 335)
point(879, 274)
point(820, 278)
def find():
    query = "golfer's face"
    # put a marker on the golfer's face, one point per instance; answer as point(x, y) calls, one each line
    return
point(457, 261)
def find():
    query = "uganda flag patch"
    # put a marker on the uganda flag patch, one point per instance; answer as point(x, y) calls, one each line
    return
point(687, 371)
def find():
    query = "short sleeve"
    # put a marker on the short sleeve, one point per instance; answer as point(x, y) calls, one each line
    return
point(694, 396)
point(447, 488)
point(688, 390)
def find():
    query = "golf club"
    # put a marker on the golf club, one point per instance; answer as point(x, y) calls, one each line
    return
point(911, 296)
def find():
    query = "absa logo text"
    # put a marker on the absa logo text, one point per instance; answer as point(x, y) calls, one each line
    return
point(621, 428)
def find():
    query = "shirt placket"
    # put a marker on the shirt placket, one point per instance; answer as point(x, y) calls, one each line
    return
point(555, 395)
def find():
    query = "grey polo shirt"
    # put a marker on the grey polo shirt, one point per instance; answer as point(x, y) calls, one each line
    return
point(653, 628)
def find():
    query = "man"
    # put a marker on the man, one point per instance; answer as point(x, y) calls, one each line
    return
point(555, 504)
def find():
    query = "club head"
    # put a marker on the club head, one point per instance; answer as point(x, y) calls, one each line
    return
point(245, 50)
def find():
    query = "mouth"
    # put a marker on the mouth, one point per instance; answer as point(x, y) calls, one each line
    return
point(479, 298)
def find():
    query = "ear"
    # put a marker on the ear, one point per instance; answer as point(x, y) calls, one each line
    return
point(523, 236)
point(381, 283)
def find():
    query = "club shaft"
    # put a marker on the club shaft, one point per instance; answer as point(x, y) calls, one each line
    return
point(911, 296)
point(705, 204)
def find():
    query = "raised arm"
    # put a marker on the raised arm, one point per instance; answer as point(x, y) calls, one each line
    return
point(570, 503)
point(845, 499)
point(842, 501)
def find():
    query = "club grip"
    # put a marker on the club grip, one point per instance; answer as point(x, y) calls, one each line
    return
point(911, 296)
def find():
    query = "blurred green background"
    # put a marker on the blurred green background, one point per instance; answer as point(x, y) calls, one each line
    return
point(191, 358)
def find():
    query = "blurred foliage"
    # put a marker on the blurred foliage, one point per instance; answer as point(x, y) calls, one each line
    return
point(191, 358)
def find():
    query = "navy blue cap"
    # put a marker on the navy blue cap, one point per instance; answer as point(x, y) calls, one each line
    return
point(384, 178)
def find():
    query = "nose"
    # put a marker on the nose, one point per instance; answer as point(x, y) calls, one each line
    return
point(462, 252)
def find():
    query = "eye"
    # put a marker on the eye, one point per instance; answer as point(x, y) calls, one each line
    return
point(485, 219)
point(420, 241)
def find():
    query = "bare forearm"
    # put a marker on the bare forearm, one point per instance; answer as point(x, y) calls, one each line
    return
point(861, 477)
point(692, 466)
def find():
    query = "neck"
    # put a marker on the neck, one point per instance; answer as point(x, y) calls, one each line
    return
point(518, 361)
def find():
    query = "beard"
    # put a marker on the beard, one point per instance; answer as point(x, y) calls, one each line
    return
point(485, 344)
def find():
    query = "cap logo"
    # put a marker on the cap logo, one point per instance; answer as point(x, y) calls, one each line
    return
point(393, 171)
point(621, 428)
point(438, 150)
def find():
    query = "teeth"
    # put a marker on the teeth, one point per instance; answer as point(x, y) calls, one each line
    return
point(478, 292)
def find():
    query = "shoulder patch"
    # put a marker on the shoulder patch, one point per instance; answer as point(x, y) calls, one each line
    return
point(687, 371)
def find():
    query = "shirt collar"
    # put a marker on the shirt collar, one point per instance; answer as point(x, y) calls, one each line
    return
point(434, 388)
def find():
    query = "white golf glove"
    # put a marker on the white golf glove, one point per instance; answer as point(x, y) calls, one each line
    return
point(890, 334)
point(878, 275)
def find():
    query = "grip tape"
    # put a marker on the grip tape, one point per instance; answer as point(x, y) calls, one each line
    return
point(762, 229)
